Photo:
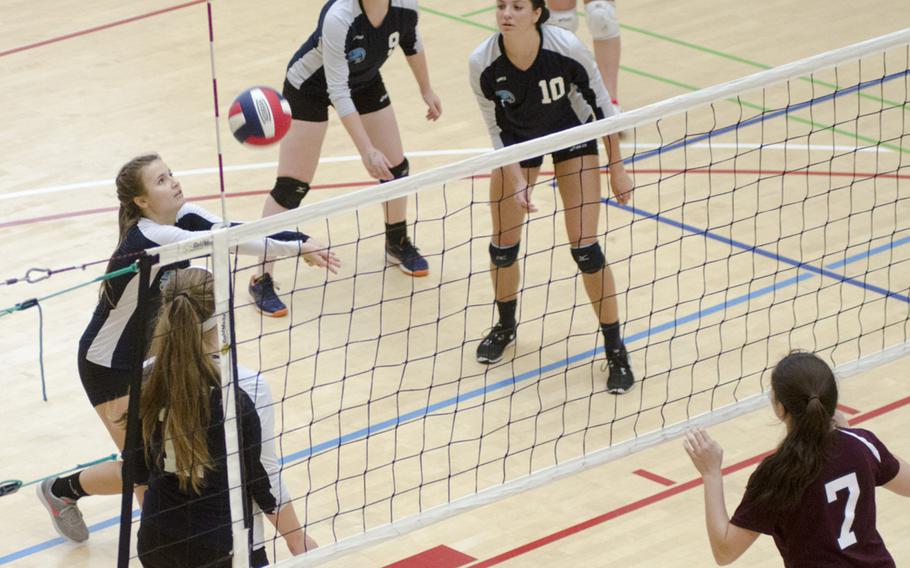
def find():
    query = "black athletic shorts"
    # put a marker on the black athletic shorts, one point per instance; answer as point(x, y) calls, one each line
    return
point(102, 384)
point(588, 148)
point(160, 549)
point(313, 106)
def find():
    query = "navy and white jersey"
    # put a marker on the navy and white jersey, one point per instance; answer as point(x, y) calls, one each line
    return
point(834, 524)
point(107, 339)
point(206, 516)
point(346, 51)
point(560, 90)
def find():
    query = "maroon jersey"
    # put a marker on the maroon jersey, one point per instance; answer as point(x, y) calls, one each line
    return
point(834, 524)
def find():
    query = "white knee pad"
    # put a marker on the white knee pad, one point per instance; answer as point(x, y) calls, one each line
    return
point(602, 20)
point(565, 19)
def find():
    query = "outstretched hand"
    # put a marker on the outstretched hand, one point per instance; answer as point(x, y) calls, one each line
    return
point(705, 453)
point(315, 253)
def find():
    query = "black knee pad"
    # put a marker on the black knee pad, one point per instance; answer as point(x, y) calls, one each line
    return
point(402, 170)
point(289, 192)
point(589, 258)
point(504, 257)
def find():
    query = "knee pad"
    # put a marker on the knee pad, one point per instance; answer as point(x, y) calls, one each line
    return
point(504, 257)
point(565, 19)
point(289, 192)
point(589, 258)
point(402, 170)
point(602, 20)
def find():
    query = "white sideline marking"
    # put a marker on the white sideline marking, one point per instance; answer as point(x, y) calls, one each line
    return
point(109, 183)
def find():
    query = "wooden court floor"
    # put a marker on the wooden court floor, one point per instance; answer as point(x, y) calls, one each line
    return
point(86, 87)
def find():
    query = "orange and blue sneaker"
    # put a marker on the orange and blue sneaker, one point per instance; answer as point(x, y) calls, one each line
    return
point(262, 289)
point(408, 259)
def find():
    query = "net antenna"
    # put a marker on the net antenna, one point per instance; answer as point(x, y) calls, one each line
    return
point(767, 216)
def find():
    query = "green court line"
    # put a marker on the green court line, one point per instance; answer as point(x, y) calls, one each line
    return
point(821, 127)
point(480, 11)
point(724, 55)
point(460, 19)
point(751, 63)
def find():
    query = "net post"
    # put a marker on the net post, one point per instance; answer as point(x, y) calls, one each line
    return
point(131, 449)
point(221, 268)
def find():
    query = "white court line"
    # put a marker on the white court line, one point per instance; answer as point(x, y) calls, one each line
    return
point(109, 183)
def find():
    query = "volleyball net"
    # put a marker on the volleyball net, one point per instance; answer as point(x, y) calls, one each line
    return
point(770, 213)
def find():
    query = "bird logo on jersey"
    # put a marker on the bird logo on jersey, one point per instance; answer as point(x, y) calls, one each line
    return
point(505, 97)
point(357, 56)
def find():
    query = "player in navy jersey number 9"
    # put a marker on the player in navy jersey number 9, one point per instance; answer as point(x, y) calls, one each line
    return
point(816, 493)
point(339, 65)
point(532, 80)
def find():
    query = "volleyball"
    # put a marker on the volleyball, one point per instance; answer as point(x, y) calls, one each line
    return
point(259, 116)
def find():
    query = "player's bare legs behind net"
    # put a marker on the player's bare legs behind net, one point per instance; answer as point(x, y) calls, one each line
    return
point(578, 180)
point(603, 23)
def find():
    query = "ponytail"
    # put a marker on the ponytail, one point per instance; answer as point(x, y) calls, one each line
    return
point(544, 11)
point(805, 386)
point(177, 394)
point(129, 187)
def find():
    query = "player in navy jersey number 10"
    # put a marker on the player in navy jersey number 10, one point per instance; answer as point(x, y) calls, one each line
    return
point(816, 493)
point(339, 65)
point(532, 80)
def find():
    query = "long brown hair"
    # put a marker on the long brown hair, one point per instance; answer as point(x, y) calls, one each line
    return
point(176, 394)
point(129, 187)
point(805, 386)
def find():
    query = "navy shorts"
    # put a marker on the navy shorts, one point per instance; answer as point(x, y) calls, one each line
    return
point(313, 106)
point(102, 384)
point(588, 148)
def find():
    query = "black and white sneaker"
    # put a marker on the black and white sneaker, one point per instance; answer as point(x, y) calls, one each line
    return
point(494, 344)
point(621, 380)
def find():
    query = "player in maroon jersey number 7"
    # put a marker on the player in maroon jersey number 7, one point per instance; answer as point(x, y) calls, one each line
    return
point(816, 493)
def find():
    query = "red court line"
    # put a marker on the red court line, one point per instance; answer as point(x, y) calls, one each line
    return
point(85, 212)
point(879, 411)
point(846, 409)
point(801, 172)
point(98, 28)
point(654, 477)
point(437, 557)
point(656, 498)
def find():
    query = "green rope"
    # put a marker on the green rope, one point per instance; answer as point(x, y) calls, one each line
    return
point(11, 486)
point(133, 268)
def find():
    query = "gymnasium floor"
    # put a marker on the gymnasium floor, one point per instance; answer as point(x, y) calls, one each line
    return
point(89, 86)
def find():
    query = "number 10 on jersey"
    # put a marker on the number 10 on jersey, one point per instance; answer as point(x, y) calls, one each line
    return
point(552, 90)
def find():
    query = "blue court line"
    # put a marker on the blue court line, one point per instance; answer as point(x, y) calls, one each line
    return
point(763, 117)
point(112, 522)
point(413, 415)
point(758, 251)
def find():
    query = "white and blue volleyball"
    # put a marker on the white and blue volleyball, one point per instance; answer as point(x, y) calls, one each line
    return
point(259, 116)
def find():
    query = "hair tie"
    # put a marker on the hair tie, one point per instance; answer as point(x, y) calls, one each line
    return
point(814, 396)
